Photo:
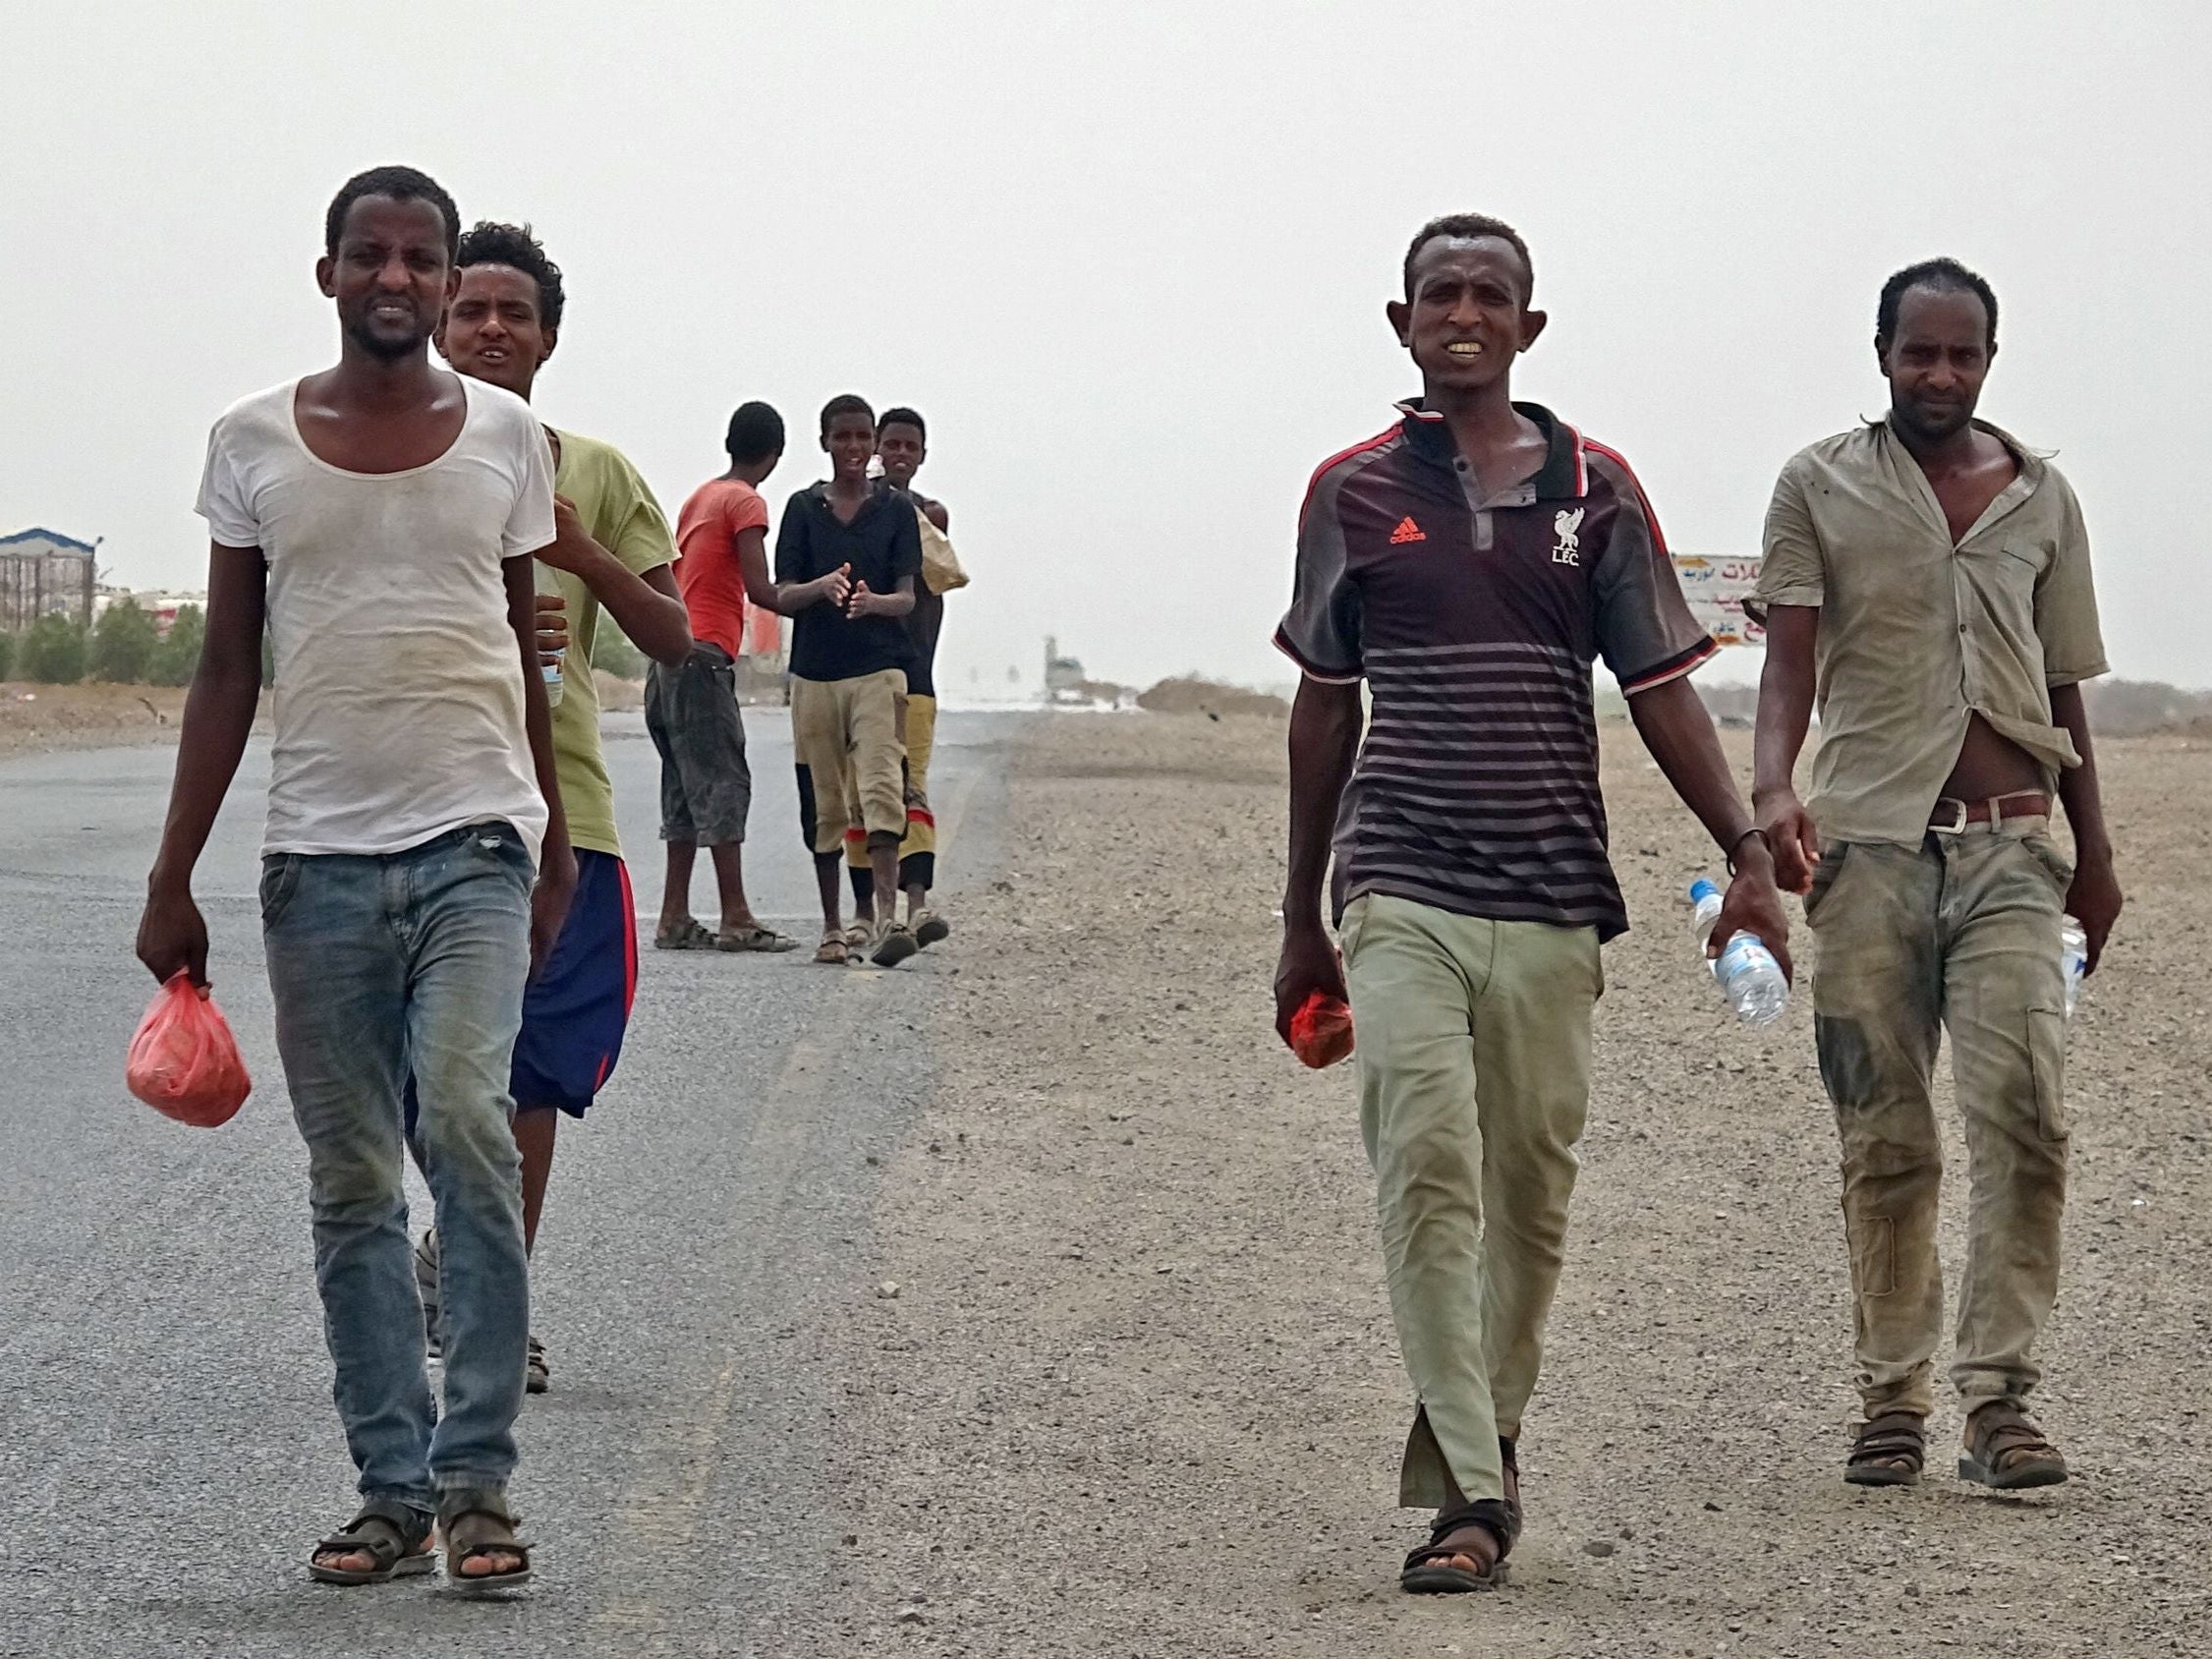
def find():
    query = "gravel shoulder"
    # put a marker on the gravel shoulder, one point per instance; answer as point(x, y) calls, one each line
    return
point(1136, 1392)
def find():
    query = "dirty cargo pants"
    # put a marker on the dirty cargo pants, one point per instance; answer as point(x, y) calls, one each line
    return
point(1474, 1076)
point(1958, 934)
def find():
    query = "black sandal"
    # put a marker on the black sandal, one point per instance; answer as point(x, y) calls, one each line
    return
point(1510, 1456)
point(389, 1532)
point(474, 1521)
point(2006, 1452)
point(1426, 1573)
point(1889, 1450)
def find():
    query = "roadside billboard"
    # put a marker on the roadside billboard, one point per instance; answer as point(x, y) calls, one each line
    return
point(1715, 588)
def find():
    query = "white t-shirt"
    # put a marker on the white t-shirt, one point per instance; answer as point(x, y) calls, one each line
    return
point(399, 683)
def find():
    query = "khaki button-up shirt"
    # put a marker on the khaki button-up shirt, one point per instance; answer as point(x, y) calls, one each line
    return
point(1916, 634)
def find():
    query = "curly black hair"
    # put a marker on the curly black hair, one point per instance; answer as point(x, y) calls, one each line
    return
point(490, 242)
point(756, 434)
point(401, 184)
point(1462, 227)
point(902, 416)
point(845, 403)
point(1945, 276)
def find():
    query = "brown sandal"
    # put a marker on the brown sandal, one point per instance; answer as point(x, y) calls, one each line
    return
point(392, 1535)
point(688, 934)
point(1428, 1570)
point(833, 951)
point(1889, 1450)
point(473, 1523)
point(2006, 1451)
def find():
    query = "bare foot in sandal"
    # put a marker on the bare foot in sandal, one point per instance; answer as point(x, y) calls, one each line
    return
point(2006, 1451)
point(482, 1551)
point(1468, 1542)
point(1888, 1450)
point(376, 1546)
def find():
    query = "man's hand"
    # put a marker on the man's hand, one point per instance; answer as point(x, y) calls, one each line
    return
point(2094, 900)
point(173, 934)
point(1754, 905)
point(552, 628)
point(548, 905)
point(863, 600)
point(573, 549)
point(1794, 839)
point(1309, 963)
point(835, 588)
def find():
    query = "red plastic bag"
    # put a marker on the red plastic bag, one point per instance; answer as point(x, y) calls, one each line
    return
point(184, 1061)
point(1321, 1031)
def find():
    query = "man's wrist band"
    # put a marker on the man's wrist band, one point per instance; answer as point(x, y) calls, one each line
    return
point(1745, 836)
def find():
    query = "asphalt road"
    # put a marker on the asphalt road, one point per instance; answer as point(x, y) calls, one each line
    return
point(168, 1449)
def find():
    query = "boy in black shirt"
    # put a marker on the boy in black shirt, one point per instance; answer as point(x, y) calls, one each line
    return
point(846, 559)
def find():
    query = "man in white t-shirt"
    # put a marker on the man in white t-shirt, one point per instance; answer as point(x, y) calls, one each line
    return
point(378, 517)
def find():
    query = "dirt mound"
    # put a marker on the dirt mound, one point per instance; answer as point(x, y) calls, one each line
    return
point(1192, 694)
point(87, 716)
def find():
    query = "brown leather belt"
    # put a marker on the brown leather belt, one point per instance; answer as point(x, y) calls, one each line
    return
point(1952, 816)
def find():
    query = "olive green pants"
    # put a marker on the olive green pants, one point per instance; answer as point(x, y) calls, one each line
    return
point(1474, 1076)
point(1958, 934)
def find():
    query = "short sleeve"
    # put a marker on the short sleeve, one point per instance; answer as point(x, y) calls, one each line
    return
point(2065, 603)
point(749, 510)
point(223, 498)
point(793, 560)
point(1792, 571)
point(645, 542)
point(906, 546)
point(1644, 627)
point(530, 521)
point(1321, 631)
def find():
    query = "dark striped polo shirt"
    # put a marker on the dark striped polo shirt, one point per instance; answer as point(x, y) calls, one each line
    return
point(1475, 623)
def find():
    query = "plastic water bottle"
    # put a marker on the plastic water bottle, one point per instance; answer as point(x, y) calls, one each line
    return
point(547, 581)
point(1750, 978)
point(2074, 957)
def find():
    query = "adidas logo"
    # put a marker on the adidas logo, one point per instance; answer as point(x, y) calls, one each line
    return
point(1407, 531)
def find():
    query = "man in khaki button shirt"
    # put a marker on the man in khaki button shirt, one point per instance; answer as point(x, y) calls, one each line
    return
point(1927, 580)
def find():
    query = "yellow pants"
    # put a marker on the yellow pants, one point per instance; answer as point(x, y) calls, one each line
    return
point(1474, 1075)
point(845, 732)
point(919, 720)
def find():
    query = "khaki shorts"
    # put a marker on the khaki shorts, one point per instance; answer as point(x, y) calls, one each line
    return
point(845, 733)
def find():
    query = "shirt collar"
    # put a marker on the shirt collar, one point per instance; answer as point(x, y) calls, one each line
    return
point(2029, 461)
point(1564, 476)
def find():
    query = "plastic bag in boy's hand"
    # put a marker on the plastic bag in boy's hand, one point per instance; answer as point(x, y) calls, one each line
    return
point(1321, 1031)
point(184, 1061)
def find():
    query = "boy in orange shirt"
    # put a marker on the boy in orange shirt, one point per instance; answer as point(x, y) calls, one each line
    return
point(692, 712)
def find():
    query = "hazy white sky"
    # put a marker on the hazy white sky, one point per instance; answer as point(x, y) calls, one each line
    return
point(1130, 259)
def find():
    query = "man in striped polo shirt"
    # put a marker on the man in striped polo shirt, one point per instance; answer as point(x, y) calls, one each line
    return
point(1470, 563)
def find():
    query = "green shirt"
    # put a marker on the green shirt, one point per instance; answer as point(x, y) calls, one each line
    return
point(1919, 632)
point(621, 516)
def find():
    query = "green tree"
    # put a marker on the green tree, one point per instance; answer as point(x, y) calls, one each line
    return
point(6, 653)
point(53, 652)
point(612, 651)
point(123, 642)
point(178, 654)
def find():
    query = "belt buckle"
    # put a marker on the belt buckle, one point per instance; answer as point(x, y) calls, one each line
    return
point(1955, 827)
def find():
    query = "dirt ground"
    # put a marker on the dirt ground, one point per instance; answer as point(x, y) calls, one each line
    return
point(1137, 1392)
point(87, 716)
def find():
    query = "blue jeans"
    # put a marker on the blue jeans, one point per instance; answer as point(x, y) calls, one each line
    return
point(381, 965)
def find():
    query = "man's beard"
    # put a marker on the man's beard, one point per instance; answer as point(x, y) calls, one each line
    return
point(384, 348)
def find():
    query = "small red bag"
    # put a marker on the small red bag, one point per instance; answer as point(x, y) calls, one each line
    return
point(184, 1061)
point(1321, 1031)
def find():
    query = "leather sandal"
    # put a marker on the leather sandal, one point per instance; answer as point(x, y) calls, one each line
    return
point(395, 1536)
point(1428, 1570)
point(1889, 1450)
point(2006, 1452)
point(474, 1521)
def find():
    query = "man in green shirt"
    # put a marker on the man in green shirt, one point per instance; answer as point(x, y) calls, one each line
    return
point(613, 552)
